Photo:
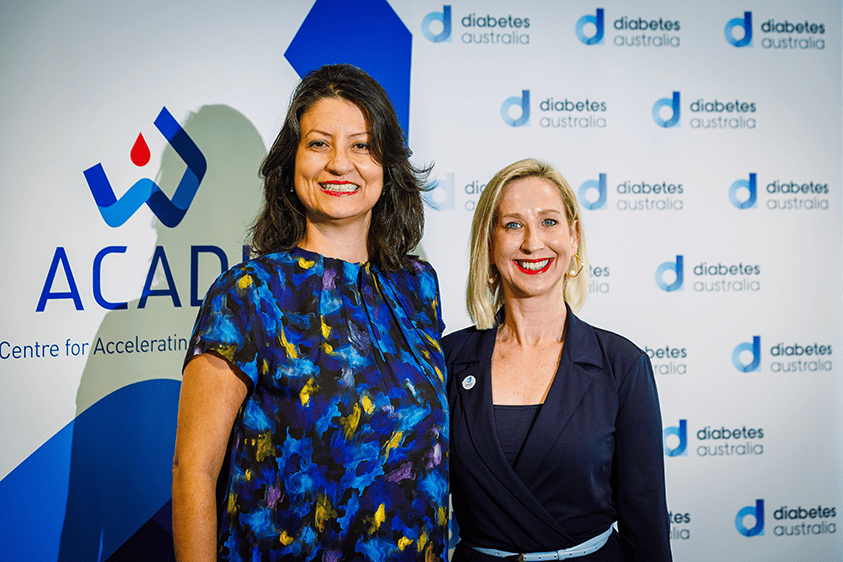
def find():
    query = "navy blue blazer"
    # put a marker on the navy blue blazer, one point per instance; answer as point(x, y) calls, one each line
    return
point(594, 455)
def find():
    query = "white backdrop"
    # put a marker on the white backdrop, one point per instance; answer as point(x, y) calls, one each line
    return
point(752, 442)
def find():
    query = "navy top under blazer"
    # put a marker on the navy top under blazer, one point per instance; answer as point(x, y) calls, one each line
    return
point(594, 455)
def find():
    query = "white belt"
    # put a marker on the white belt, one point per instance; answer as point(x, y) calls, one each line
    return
point(582, 549)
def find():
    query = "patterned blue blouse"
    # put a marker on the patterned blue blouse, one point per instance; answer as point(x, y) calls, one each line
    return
point(340, 450)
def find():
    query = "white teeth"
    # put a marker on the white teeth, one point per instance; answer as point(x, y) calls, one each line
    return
point(533, 265)
point(340, 187)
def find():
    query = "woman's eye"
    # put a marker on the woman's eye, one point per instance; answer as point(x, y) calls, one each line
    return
point(317, 144)
point(511, 225)
point(550, 222)
point(364, 146)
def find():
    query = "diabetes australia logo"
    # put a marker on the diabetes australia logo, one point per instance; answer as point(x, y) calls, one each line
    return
point(673, 270)
point(756, 512)
point(784, 357)
point(742, 38)
point(595, 21)
point(713, 440)
point(563, 113)
point(671, 103)
point(479, 29)
point(782, 195)
point(633, 195)
point(634, 31)
point(115, 212)
point(522, 102)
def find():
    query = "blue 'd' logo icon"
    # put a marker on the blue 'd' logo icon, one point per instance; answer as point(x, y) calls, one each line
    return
point(746, 23)
point(758, 512)
point(681, 450)
point(597, 20)
point(672, 103)
point(523, 102)
point(600, 186)
point(445, 17)
point(754, 348)
point(675, 267)
point(116, 212)
point(750, 185)
point(441, 195)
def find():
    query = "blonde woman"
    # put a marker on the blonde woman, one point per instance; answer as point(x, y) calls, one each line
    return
point(555, 424)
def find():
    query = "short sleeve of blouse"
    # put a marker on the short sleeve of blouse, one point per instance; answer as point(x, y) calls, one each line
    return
point(226, 322)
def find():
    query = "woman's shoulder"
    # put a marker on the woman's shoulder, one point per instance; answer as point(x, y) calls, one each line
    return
point(618, 349)
point(617, 344)
point(463, 345)
point(418, 278)
point(251, 274)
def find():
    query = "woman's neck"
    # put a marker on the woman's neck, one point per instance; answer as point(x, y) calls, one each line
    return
point(534, 321)
point(347, 242)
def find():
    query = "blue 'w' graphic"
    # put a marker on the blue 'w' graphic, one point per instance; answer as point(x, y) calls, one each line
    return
point(115, 211)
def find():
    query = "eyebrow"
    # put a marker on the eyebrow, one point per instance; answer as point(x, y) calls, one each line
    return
point(541, 212)
point(317, 131)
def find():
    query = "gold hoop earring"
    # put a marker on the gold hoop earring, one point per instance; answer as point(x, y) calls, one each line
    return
point(491, 277)
point(579, 260)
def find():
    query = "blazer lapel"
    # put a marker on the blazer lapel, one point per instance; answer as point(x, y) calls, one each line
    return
point(475, 360)
point(570, 384)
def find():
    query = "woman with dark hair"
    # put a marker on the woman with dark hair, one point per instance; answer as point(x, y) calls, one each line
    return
point(555, 424)
point(312, 420)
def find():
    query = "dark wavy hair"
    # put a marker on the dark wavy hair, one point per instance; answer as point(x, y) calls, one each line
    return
point(397, 217)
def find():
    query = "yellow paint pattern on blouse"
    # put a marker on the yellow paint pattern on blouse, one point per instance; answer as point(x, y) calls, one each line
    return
point(368, 407)
point(308, 389)
point(227, 351)
point(349, 423)
point(404, 542)
point(380, 517)
point(285, 539)
point(264, 446)
point(324, 512)
point(244, 282)
point(288, 347)
point(394, 442)
point(306, 264)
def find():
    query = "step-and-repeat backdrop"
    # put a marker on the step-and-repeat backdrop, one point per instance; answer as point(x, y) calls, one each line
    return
point(703, 141)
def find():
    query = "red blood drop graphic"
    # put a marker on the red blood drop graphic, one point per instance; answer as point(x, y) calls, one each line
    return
point(140, 152)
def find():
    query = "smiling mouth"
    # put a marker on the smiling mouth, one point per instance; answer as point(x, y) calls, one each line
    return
point(532, 267)
point(339, 188)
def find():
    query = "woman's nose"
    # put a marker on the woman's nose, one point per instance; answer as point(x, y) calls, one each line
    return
point(532, 241)
point(339, 163)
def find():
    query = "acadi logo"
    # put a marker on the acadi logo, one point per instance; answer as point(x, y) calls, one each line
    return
point(597, 21)
point(754, 348)
point(673, 104)
point(598, 184)
point(442, 194)
point(757, 512)
point(746, 24)
point(445, 17)
point(750, 185)
point(680, 431)
point(116, 212)
point(523, 102)
point(677, 268)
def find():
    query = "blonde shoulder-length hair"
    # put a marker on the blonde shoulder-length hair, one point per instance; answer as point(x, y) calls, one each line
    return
point(484, 296)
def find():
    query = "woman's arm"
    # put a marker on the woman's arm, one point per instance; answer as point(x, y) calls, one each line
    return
point(639, 459)
point(211, 395)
